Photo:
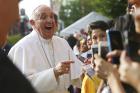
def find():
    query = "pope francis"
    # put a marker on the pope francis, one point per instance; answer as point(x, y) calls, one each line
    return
point(47, 60)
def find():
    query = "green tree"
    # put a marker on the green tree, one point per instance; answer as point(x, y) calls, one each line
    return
point(76, 9)
point(111, 8)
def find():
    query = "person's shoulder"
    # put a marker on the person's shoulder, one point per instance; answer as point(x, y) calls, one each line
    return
point(26, 40)
point(59, 38)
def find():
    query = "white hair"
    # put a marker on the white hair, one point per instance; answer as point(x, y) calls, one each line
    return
point(35, 12)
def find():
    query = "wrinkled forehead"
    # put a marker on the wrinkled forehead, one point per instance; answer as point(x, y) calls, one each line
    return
point(42, 9)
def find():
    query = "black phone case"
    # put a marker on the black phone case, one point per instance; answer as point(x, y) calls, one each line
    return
point(114, 39)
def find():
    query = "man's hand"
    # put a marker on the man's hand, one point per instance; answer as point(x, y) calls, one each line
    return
point(129, 70)
point(62, 68)
point(102, 67)
point(115, 53)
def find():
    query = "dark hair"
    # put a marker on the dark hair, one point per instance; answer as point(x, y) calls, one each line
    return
point(98, 25)
point(111, 23)
point(124, 23)
point(130, 5)
point(71, 41)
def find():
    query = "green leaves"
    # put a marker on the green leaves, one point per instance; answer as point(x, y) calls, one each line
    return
point(75, 9)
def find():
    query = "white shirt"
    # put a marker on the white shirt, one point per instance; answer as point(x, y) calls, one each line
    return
point(30, 53)
point(75, 50)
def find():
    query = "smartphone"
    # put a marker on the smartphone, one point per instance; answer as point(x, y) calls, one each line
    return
point(102, 49)
point(115, 42)
point(94, 49)
point(89, 70)
point(133, 46)
point(82, 59)
point(89, 55)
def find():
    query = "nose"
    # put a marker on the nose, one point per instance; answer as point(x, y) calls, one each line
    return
point(49, 19)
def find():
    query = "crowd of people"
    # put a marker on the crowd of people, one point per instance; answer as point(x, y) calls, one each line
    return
point(45, 63)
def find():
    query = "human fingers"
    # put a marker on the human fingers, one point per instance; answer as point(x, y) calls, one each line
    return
point(66, 70)
point(124, 59)
point(96, 56)
point(98, 60)
point(66, 66)
point(125, 65)
point(139, 51)
point(123, 56)
point(58, 70)
point(67, 62)
point(62, 68)
point(99, 63)
point(114, 53)
point(100, 73)
point(109, 60)
point(123, 72)
point(102, 67)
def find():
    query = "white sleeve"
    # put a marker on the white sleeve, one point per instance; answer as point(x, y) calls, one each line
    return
point(43, 81)
point(75, 50)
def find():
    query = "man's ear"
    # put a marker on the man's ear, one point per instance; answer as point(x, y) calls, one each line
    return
point(56, 24)
point(32, 22)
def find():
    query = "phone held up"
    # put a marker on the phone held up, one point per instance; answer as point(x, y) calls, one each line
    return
point(115, 42)
point(133, 46)
point(101, 49)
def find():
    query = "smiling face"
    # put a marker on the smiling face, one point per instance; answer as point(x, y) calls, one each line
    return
point(8, 16)
point(43, 21)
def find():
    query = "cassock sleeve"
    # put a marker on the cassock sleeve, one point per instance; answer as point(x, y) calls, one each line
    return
point(43, 81)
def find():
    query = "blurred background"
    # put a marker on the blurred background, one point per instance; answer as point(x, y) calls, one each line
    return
point(73, 15)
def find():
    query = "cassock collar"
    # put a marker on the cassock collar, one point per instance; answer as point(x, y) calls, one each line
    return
point(42, 39)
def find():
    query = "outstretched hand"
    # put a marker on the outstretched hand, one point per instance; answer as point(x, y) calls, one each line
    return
point(62, 68)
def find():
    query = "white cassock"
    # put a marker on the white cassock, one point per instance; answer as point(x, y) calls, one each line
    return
point(36, 57)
